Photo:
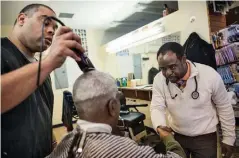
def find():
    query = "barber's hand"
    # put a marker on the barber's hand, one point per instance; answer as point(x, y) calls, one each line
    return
point(163, 132)
point(227, 150)
point(63, 43)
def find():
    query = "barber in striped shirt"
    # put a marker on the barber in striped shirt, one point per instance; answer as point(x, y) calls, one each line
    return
point(97, 102)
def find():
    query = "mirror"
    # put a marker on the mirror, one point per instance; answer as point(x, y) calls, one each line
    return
point(140, 59)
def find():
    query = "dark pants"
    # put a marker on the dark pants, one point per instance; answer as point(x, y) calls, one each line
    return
point(204, 146)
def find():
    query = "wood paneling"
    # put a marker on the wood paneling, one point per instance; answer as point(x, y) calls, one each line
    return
point(217, 22)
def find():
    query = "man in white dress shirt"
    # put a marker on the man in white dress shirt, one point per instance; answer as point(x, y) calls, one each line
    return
point(196, 100)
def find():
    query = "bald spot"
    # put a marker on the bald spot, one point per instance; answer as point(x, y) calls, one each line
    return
point(169, 58)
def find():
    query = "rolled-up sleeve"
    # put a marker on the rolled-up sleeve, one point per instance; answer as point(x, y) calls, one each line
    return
point(224, 110)
point(158, 106)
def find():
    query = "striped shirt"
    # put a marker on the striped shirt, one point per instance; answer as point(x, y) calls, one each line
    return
point(106, 145)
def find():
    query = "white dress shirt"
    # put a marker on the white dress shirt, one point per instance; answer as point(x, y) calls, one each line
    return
point(194, 117)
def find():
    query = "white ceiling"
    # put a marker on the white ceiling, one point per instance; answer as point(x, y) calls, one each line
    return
point(87, 14)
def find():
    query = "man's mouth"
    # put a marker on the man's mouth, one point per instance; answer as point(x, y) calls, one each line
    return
point(48, 41)
point(172, 78)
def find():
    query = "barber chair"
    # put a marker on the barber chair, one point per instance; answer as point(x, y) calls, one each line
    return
point(132, 122)
point(69, 112)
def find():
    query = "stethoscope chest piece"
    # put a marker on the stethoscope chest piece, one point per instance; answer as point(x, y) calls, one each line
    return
point(195, 95)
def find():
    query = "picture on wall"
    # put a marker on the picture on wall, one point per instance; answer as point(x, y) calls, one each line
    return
point(82, 34)
point(171, 38)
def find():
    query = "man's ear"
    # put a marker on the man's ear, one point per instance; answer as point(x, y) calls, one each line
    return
point(112, 107)
point(21, 19)
point(184, 58)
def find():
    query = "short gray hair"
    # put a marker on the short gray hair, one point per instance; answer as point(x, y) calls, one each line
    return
point(92, 88)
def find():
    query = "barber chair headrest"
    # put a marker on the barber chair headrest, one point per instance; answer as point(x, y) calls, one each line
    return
point(132, 118)
point(122, 98)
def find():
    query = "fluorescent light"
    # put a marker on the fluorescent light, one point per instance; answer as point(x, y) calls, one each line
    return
point(133, 39)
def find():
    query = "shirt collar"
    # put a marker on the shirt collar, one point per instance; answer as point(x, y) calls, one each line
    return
point(187, 75)
point(194, 70)
point(92, 127)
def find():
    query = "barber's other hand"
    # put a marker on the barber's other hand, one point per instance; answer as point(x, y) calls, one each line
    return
point(62, 44)
point(163, 131)
point(227, 150)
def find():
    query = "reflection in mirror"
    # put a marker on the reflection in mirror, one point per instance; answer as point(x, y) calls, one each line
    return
point(141, 60)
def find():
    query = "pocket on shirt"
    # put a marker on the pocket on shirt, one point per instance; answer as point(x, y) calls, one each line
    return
point(205, 98)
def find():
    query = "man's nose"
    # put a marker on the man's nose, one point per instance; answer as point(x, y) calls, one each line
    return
point(50, 31)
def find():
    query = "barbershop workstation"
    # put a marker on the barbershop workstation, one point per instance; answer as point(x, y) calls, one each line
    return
point(120, 79)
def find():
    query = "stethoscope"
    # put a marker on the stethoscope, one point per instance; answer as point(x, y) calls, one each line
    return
point(194, 94)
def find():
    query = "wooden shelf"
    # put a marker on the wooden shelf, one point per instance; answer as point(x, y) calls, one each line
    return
point(222, 47)
point(232, 62)
point(226, 45)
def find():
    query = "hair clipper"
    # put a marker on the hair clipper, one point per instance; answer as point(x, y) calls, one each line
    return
point(85, 64)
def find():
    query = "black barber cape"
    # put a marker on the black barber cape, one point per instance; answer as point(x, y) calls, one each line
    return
point(27, 128)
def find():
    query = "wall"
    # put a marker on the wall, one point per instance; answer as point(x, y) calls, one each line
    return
point(5, 30)
point(180, 20)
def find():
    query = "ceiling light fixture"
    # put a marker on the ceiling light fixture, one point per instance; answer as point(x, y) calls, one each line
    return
point(144, 34)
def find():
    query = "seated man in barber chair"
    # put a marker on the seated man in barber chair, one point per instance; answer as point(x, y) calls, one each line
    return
point(97, 102)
